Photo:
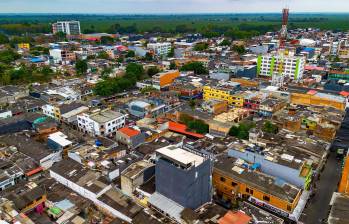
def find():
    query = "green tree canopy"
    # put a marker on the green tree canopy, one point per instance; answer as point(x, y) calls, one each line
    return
point(81, 67)
point(269, 127)
point(110, 86)
point(107, 40)
point(103, 55)
point(130, 54)
point(4, 39)
point(241, 131)
point(148, 57)
point(8, 56)
point(225, 42)
point(239, 49)
point(197, 67)
point(201, 46)
point(153, 71)
point(171, 54)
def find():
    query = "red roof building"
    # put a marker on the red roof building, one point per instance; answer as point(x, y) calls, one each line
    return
point(182, 129)
point(238, 217)
point(130, 132)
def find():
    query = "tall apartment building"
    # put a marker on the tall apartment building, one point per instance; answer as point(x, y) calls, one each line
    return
point(160, 48)
point(183, 180)
point(274, 66)
point(67, 27)
point(101, 123)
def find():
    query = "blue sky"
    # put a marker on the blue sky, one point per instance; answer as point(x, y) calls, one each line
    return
point(169, 6)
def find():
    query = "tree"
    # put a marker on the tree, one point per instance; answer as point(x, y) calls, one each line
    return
point(201, 46)
point(197, 67)
point(148, 57)
point(103, 55)
point(60, 36)
point(153, 71)
point(171, 54)
point(4, 39)
point(148, 89)
point(114, 28)
point(130, 54)
point(199, 126)
point(106, 72)
point(107, 40)
point(120, 60)
point(81, 67)
point(242, 130)
point(8, 56)
point(225, 42)
point(134, 72)
point(192, 104)
point(239, 49)
point(135, 69)
point(269, 127)
point(173, 66)
point(5, 78)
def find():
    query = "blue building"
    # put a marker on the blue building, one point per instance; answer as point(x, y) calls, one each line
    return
point(183, 177)
point(247, 72)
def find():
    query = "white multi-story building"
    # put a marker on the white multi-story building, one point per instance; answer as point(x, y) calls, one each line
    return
point(280, 65)
point(67, 27)
point(160, 48)
point(101, 123)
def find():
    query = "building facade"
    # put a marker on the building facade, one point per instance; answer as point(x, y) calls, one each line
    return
point(67, 27)
point(160, 49)
point(270, 65)
point(183, 177)
point(225, 94)
point(101, 123)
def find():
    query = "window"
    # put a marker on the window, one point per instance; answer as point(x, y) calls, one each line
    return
point(289, 208)
point(247, 190)
point(234, 184)
point(222, 179)
point(266, 198)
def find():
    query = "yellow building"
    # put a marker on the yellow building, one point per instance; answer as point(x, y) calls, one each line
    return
point(225, 94)
point(23, 46)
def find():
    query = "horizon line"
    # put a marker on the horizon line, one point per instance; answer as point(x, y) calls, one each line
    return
point(164, 13)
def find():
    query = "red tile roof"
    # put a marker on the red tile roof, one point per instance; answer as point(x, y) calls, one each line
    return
point(312, 92)
point(235, 218)
point(182, 129)
point(344, 93)
point(130, 132)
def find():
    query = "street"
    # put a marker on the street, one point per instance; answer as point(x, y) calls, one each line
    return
point(318, 206)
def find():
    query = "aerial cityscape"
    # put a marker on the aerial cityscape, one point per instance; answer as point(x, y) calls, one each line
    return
point(174, 112)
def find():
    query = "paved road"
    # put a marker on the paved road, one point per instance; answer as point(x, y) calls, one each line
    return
point(318, 206)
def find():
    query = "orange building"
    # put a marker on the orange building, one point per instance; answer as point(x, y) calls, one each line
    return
point(245, 82)
point(312, 98)
point(344, 184)
point(165, 79)
point(232, 181)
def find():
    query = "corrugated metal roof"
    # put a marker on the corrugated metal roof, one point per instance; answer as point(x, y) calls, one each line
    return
point(166, 205)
